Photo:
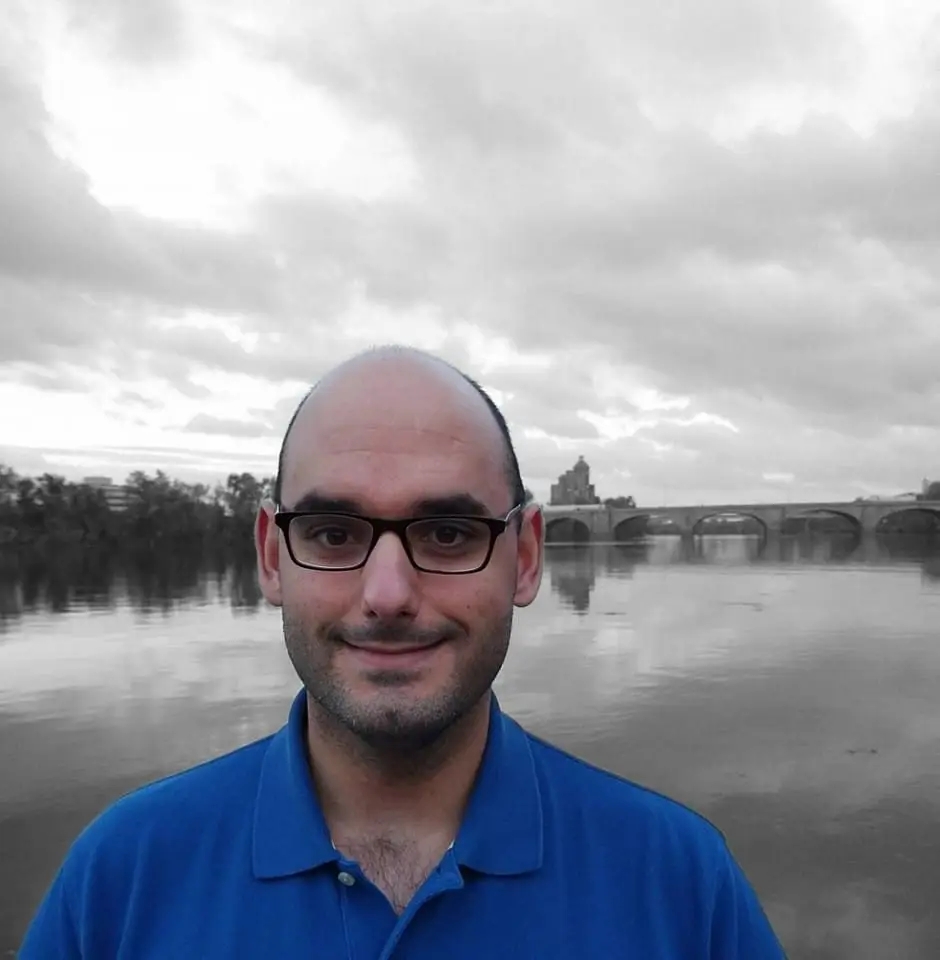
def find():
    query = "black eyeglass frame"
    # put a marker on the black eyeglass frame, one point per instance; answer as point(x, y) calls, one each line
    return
point(380, 525)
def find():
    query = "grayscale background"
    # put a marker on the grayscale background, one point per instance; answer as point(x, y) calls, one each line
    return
point(694, 243)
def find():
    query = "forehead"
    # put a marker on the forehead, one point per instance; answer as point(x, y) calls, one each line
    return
point(393, 434)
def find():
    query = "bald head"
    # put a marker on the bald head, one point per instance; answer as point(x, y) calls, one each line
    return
point(411, 379)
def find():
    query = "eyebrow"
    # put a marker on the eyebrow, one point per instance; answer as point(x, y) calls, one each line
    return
point(455, 504)
point(458, 504)
point(314, 502)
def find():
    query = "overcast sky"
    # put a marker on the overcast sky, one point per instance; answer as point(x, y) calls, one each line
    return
point(695, 242)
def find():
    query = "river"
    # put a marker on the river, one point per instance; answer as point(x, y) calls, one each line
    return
point(791, 694)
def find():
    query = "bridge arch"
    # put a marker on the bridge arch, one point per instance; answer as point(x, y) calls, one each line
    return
point(798, 523)
point(916, 520)
point(567, 530)
point(697, 526)
point(632, 528)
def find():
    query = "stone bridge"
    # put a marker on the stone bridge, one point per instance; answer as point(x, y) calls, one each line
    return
point(610, 524)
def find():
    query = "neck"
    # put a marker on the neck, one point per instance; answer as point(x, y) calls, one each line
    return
point(360, 787)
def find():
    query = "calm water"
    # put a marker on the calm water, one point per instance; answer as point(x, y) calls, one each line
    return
point(791, 695)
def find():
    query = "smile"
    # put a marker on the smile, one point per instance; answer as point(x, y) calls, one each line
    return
point(389, 654)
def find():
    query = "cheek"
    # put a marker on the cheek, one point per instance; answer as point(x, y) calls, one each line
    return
point(319, 597)
point(501, 579)
point(473, 601)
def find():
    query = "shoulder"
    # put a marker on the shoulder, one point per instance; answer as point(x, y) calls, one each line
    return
point(131, 853)
point(654, 851)
point(185, 809)
point(627, 813)
point(195, 792)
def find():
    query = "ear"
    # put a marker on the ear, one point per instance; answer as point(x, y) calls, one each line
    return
point(530, 555)
point(268, 552)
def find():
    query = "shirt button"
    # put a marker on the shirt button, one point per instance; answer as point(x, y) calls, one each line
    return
point(346, 879)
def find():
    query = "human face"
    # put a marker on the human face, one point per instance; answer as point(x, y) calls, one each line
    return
point(395, 655)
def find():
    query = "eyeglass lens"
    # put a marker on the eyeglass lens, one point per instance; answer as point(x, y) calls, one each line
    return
point(447, 545)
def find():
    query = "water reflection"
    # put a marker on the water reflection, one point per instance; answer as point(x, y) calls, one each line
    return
point(59, 580)
point(915, 550)
point(159, 581)
point(572, 568)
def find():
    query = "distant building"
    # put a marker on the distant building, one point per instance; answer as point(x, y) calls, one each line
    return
point(930, 490)
point(574, 486)
point(115, 494)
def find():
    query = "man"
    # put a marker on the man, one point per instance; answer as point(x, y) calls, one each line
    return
point(399, 813)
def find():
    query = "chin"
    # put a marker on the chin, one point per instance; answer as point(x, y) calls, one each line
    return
point(408, 710)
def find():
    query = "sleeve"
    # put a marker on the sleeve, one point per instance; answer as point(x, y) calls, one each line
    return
point(740, 928)
point(52, 933)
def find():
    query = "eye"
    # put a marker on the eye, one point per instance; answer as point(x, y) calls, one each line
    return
point(448, 535)
point(327, 532)
point(332, 536)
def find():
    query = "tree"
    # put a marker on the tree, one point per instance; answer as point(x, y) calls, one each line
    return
point(52, 500)
point(90, 514)
point(28, 509)
point(933, 491)
point(243, 493)
point(9, 515)
point(241, 496)
point(161, 509)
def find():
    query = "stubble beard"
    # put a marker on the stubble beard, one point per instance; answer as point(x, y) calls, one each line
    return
point(394, 726)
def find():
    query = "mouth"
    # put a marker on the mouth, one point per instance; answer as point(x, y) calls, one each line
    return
point(394, 654)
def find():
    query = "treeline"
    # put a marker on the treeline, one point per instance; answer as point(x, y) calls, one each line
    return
point(155, 510)
point(623, 502)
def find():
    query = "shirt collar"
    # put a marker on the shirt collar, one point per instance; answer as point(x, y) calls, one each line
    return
point(501, 832)
point(290, 834)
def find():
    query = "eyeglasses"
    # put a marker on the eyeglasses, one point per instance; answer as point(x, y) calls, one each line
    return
point(344, 541)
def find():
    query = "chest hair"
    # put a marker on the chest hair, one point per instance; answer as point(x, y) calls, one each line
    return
point(397, 867)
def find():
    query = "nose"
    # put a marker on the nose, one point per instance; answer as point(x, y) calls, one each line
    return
point(389, 581)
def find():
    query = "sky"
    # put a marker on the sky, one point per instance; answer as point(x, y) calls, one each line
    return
point(696, 243)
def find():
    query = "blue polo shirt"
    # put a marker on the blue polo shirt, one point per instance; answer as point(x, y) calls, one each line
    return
point(554, 859)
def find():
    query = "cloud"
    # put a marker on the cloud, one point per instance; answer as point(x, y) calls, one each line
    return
point(133, 398)
point(713, 203)
point(513, 78)
point(58, 379)
point(203, 423)
point(770, 268)
point(76, 269)
point(148, 31)
point(771, 287)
